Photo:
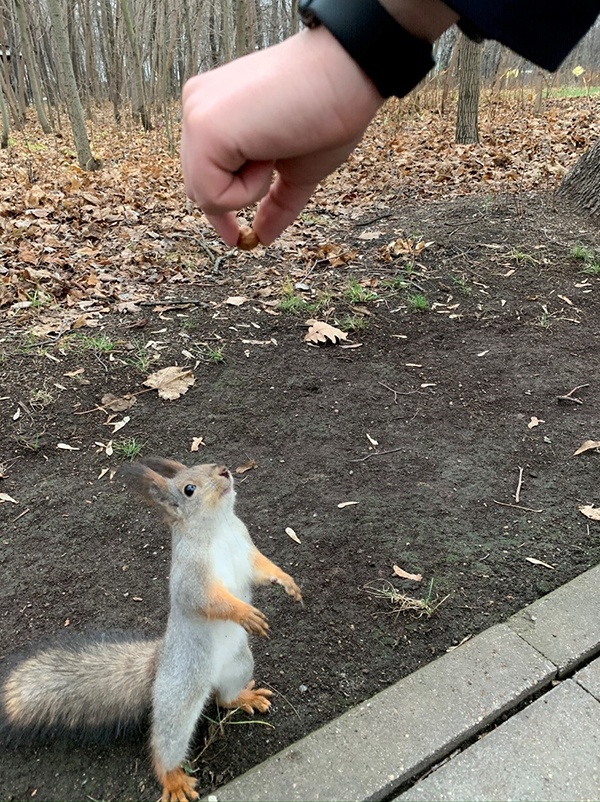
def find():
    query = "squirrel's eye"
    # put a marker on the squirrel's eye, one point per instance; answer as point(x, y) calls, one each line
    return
point(189, 490)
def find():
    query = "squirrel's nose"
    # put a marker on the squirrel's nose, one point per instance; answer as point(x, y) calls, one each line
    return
point(222, 470)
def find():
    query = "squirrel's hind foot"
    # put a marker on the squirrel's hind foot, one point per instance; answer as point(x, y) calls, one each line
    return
point(178, 787)
point(251, 699)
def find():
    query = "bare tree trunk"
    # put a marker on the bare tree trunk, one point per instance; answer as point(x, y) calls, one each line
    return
point(469, 85)
point(140, 105)
point(31, 67)
point(241, 23)
point(581, 186)
point(5, 125)
point(67, 77)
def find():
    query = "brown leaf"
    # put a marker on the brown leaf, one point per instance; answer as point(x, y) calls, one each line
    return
point(405, 575)
point(247, 466)
point(196, 443)
point(588, 445)
point(320, 332)
point(116, 404)
point(171, 382)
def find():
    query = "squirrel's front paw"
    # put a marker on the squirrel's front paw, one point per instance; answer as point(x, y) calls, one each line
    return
point(254, 622)
point(291, 588)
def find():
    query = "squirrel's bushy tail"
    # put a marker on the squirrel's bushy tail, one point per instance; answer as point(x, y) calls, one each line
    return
point(89, 687)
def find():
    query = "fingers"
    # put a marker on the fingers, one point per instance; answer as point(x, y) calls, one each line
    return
point(280, 207)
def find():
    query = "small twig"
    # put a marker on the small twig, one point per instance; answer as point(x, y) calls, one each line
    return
point(570, 397)
point(374, 219)
point(219, 259)
point(397, 392)
point(515, 506)
point(22, 514)
point(184, 302)
point(519, 485)
point(377, 454)
point(285, 699)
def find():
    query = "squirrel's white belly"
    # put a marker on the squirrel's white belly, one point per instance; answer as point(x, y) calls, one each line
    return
point(230, 562)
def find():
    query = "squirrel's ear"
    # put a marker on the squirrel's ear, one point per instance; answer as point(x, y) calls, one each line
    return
point(165, 467)
point(153, 487)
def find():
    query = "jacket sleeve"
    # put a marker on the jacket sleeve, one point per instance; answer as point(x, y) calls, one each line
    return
point(542, 31)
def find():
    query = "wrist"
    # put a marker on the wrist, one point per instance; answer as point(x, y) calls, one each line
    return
point(394, 58)
point(425, 19)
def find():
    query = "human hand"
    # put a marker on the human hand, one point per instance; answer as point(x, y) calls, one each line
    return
point(297, 109)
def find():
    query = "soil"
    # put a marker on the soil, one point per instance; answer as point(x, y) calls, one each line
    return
point(434, 423)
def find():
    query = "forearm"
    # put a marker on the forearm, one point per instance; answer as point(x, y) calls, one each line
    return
point(425, 19)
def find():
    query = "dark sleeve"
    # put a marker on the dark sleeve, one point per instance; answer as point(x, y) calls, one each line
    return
point(542, 31)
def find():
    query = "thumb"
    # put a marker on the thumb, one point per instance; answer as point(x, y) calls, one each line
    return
point(280, 207)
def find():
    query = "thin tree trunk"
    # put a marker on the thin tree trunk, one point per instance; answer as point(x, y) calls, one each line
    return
point(31, 67)
point(241, 24)
point(5, 124)
point(138, 77)
point(469, 85)
point(67, 77)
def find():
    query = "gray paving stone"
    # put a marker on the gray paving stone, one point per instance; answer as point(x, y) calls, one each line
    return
point(564, 625)
point(548, 752)
point(370, 750)
point(589, 678)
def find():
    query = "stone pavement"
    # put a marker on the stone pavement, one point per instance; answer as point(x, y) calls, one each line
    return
point(509, 715)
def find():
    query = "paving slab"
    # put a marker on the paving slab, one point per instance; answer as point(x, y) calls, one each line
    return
point(548, 752)
point(373, 748)
point(589, 678)
point(564, 625)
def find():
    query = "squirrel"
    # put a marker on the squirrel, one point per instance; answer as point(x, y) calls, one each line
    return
point(106, 685)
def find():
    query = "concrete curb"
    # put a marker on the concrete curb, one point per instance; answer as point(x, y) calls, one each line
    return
point(373, 749)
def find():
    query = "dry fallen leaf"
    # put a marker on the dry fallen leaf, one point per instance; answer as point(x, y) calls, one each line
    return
point(119, 424)
point(247, 466)
point(5, 497)
point(289, 531)
point(106, 447)
point(405, 575)
point(236, 300)
point(320, 332)
point(343, 504)
point(590, 512)
point(117, 404)
point(196, 443)
point(372, 440)
point(67, 447)
point(533, 561)
point(534, 422)
point(171, 382)
point(588, 445)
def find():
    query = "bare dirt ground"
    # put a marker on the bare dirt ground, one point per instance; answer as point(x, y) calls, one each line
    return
point(446, 425)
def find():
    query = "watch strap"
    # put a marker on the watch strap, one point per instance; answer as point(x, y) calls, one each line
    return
point(394, 59)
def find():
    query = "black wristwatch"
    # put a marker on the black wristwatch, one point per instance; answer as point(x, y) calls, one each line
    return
point(394, 59)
